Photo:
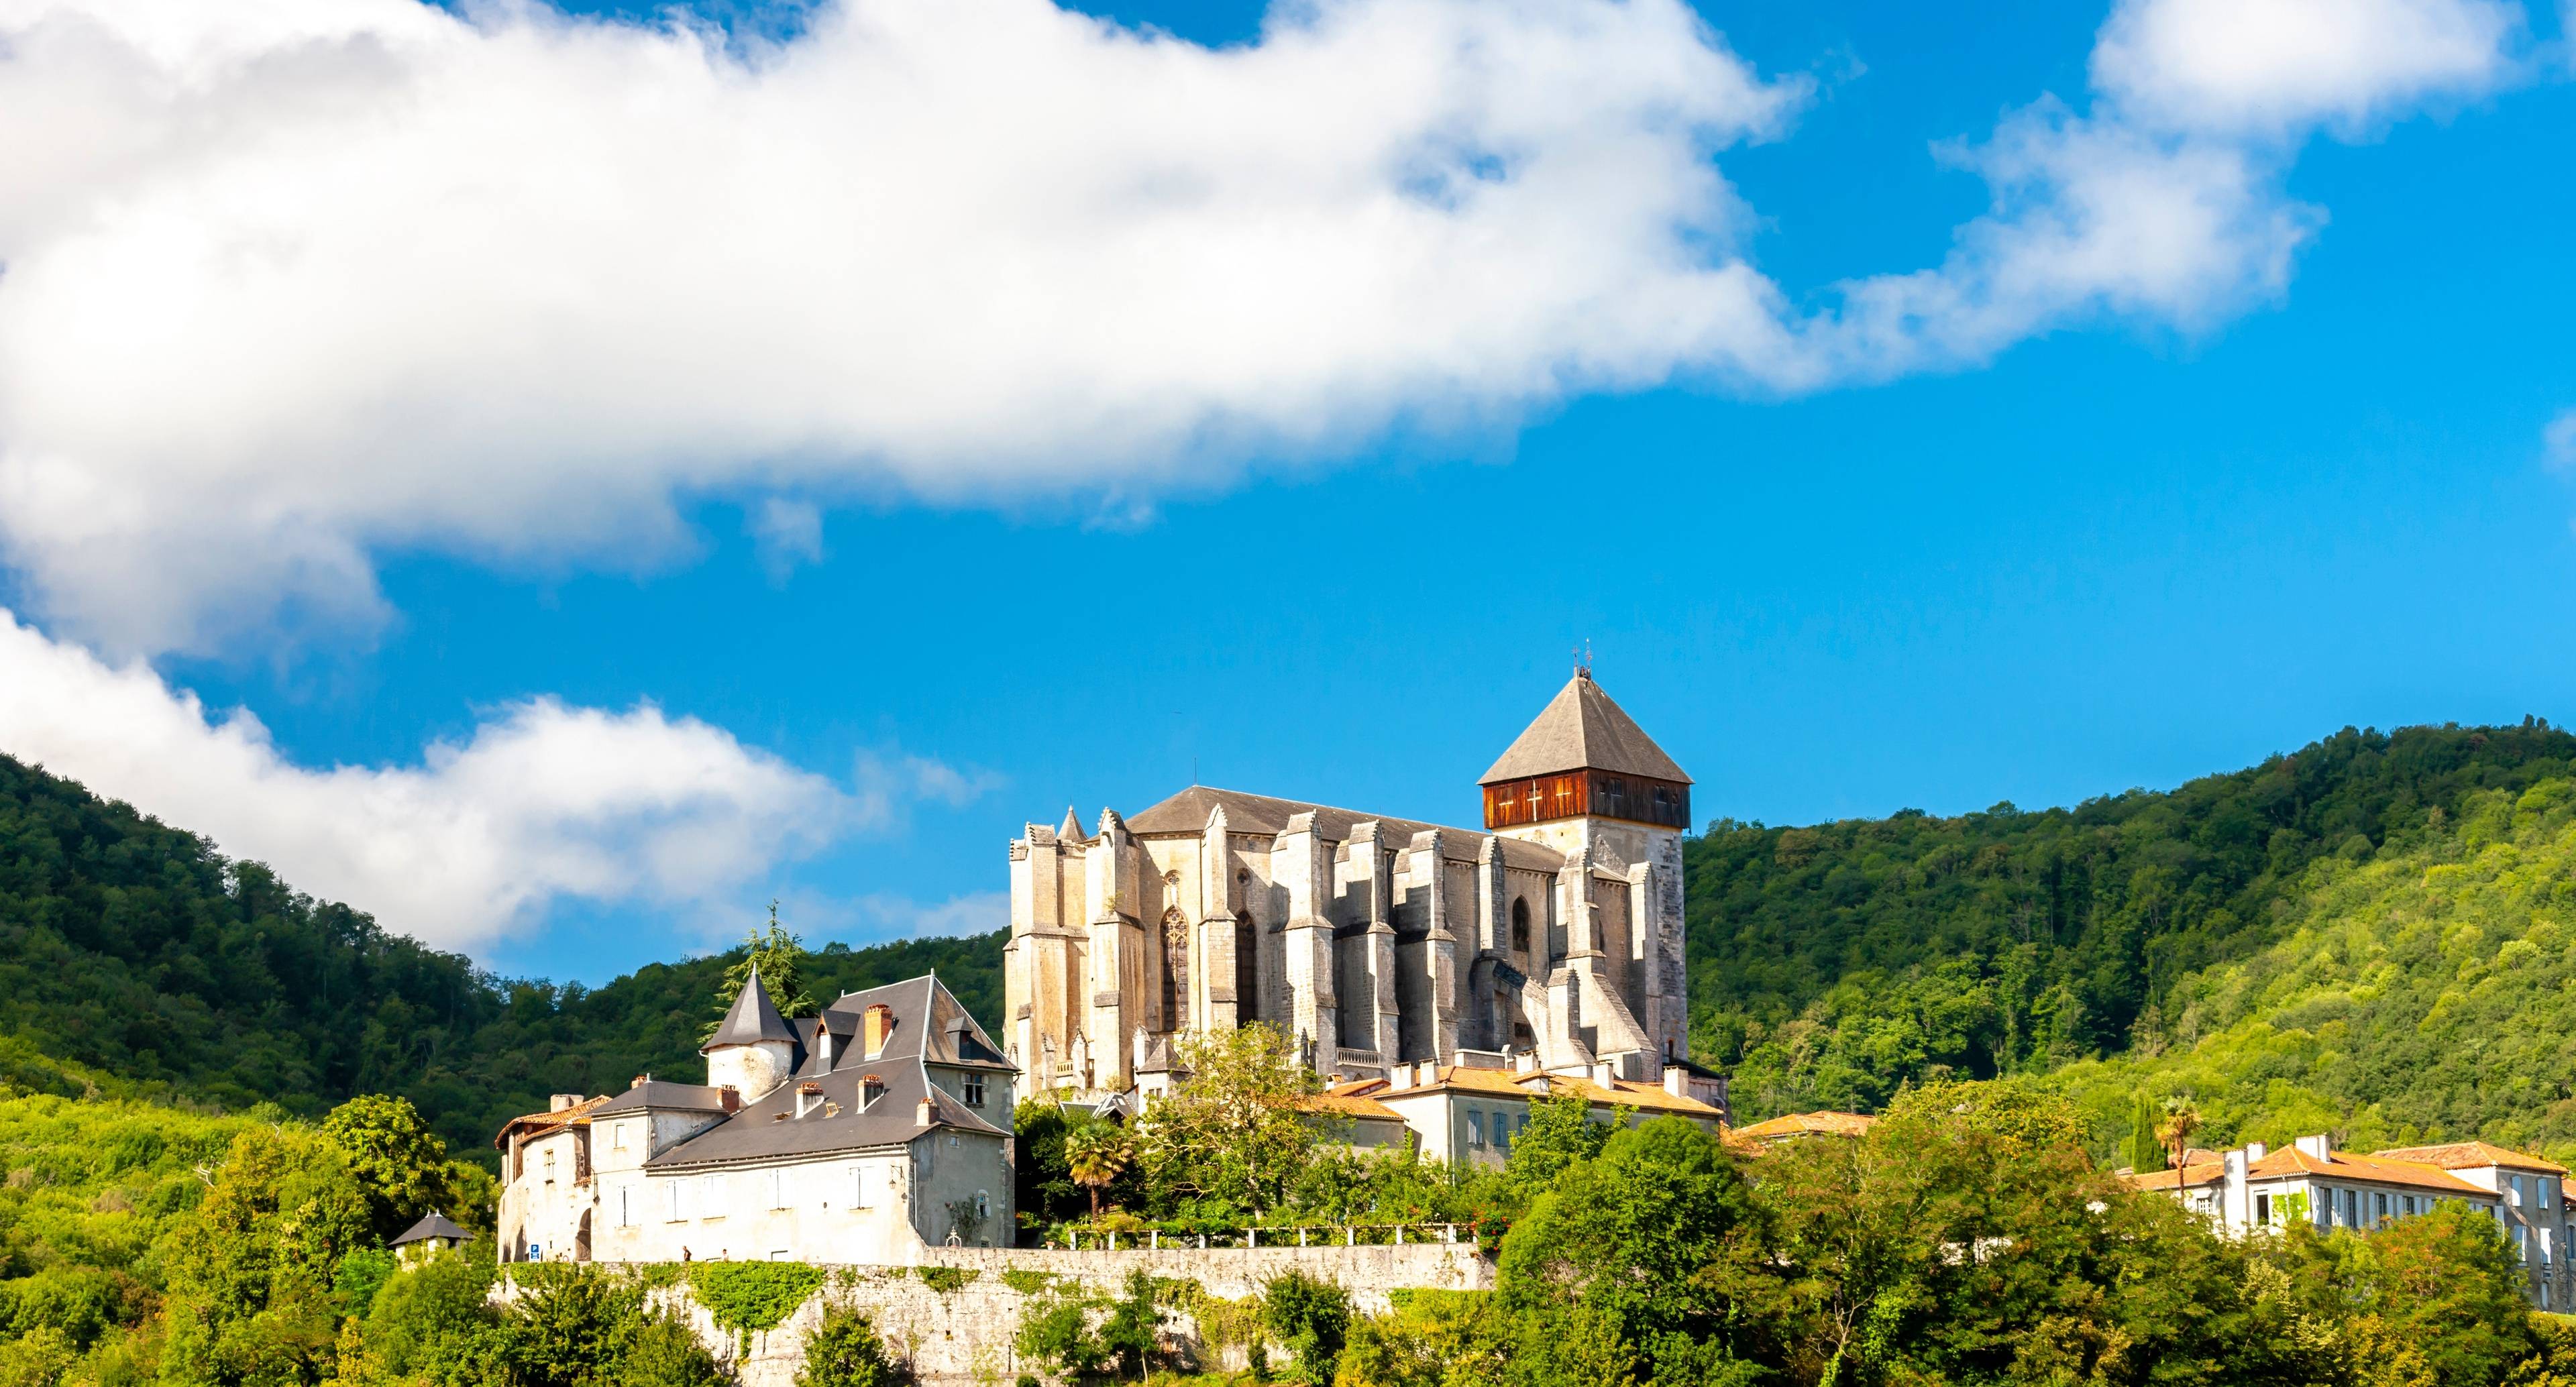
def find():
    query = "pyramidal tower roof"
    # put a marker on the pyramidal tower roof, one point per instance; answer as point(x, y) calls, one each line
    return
point(753, 1018)
point(1581, 729)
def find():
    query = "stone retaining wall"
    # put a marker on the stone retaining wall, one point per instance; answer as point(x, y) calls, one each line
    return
point(963, 1336)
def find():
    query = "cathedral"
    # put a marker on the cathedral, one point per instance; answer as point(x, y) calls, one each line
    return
point(1549, 939)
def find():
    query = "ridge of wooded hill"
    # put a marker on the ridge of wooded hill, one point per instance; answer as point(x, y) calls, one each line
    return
point(1832, 964)
point(137, 959)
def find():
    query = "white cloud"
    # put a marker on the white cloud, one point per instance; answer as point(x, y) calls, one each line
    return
point(542, 802)
point(2559, 440)
point(785, 533)
point(293, 282)
point(889, 780)
point(2274, 65)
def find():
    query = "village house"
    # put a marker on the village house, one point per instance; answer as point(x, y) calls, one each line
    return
point(863, 1134)
point(1468, 1112)
point(2253, 1188)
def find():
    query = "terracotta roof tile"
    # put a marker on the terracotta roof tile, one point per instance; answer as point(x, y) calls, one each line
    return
point(2290, 1162)
point(1507, 1083)
point(2469, 1155)
point(1349, 1105)
point(1840, 1124)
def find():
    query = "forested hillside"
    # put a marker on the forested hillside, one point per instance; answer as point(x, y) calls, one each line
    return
point(137, 959)
point(1830, 965)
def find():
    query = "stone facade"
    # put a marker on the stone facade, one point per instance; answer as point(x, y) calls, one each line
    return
point(1373, 941)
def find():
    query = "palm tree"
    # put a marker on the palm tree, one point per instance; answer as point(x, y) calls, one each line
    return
point(1095, 1154)
point(2181, 1120)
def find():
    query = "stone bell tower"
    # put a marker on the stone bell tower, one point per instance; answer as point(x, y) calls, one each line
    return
point(1586, 780)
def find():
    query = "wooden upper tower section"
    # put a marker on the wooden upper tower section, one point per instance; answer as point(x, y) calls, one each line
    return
point(1584, 757)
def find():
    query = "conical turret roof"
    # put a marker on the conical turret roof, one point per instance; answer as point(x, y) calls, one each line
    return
point(753, 1019)
point(1581, 729)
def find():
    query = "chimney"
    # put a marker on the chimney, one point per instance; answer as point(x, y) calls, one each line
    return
point(561, 1101)
point(640, 1080)
point(2235, 1208)
point(879, 1025)
point(2255, 1151)
point(809, 1096)
point(926, 1110)
point(731, 1098)
point(1399, 1078)
point(871, 1088)
point(2319, 1147)
point(1676, 1081)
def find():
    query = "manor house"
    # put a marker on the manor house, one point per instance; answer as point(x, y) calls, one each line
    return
point(1550, 939)
point(866, 1133)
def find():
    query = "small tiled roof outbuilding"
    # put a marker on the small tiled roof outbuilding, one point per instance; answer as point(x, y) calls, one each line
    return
point(433, 1226)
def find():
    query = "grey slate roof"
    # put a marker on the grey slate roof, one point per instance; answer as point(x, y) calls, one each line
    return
point(665, 1095)
point(1187, 812)
point(923, 1033)
point(754, 1018)
point(1581, 729)
point(434, 1226)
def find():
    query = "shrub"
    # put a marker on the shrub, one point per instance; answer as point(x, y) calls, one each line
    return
point(846, 1351)
point(1310, 1318)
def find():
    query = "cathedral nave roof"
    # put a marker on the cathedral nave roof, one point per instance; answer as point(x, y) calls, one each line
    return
point(1267, 815)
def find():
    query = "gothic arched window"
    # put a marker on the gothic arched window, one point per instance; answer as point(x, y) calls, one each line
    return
point(1247, 970)
point(1520, 924)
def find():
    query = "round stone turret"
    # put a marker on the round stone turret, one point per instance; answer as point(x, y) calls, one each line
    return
point(754, 1050)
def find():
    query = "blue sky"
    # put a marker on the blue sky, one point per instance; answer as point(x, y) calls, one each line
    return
point(2122, 550)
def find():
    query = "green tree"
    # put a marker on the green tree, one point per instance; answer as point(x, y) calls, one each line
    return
point(400, 1163)
point(1132, 1331)
point(1311, 1318)
point(435, 1322)
point(663, 1352)
point(2432, 1299)
point(2143, 1151)
point(1636, 1261)
point(845, 1350)
point(1235, 1129)
point(2181, 1120)
point(1095, 1154)
point(2020, 1112)
point(1043, 1186)
point(1561, 1133)
point(1055, 1331)
point(780, 959)
point(250, 1298)
point(1433, 1339)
